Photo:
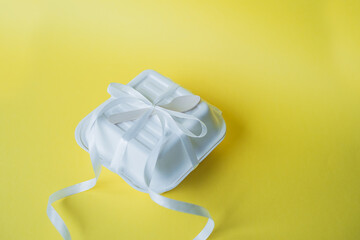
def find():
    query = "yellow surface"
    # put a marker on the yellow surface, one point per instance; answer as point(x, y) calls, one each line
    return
point(286, 75)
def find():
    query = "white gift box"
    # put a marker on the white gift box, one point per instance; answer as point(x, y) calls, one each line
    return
point(173, 164)
point(152, 133)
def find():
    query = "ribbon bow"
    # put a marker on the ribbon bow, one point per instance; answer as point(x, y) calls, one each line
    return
point(143, 109)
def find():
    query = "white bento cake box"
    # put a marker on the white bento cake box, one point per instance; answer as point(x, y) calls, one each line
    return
point(152, 133)
point(172, 165)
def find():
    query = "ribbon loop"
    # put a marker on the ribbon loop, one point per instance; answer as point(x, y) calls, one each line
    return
point(175, 108)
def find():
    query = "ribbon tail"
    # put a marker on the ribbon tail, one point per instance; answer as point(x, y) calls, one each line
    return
point(186, 208)
point(171, 203)
point(54, 217)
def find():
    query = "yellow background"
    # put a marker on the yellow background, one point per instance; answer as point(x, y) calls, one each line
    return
point(286, 75)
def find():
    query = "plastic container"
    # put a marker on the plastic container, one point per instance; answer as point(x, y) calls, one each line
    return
point(172, 166)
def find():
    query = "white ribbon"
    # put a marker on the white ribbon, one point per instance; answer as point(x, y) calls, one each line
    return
point(165, 113)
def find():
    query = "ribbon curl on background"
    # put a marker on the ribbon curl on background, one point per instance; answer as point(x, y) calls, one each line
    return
point(124, 94)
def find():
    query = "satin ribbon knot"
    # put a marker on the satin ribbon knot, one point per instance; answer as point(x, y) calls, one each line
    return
point(142, 109)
